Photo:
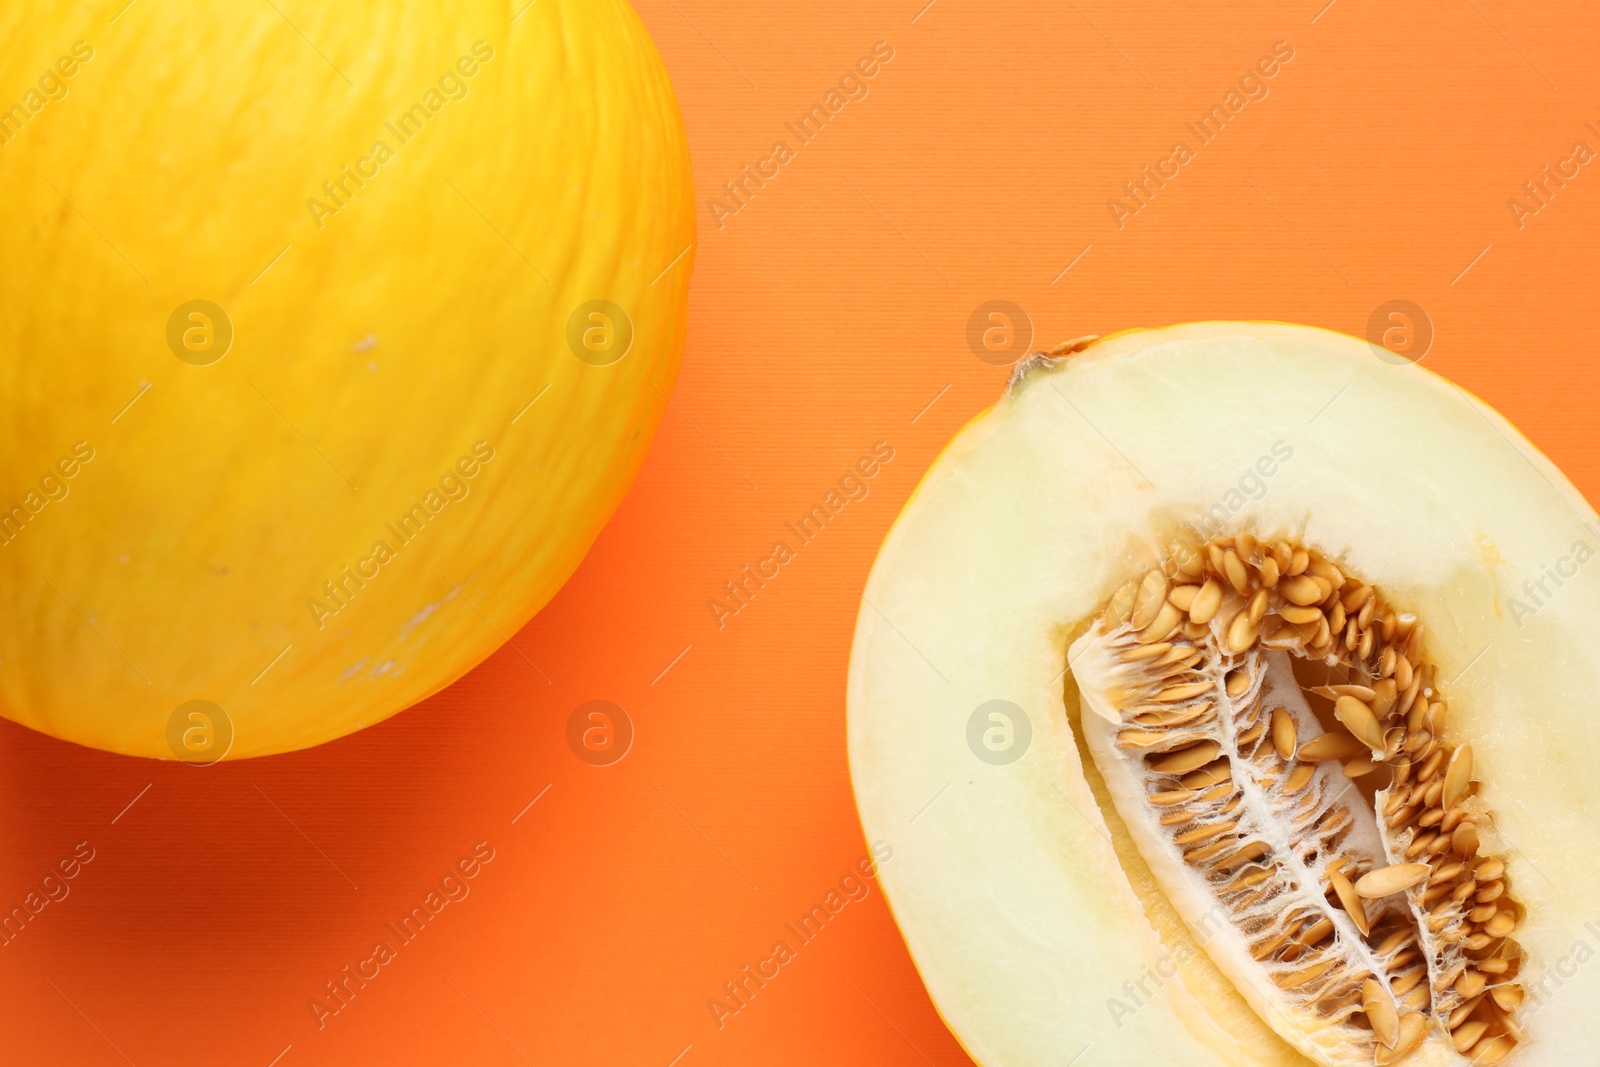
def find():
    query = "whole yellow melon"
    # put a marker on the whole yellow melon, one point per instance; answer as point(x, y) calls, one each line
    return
point(330, 337)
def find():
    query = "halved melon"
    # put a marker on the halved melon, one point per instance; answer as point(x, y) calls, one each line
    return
point(1225, 692)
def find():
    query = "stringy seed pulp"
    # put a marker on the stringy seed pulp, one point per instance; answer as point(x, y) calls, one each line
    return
point(1362, 924)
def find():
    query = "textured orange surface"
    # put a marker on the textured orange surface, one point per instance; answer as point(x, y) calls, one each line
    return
point(830, 313)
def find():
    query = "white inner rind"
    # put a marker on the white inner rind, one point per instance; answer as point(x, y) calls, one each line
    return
point(1006, 881)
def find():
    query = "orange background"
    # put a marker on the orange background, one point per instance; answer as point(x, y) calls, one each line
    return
point(829, 314)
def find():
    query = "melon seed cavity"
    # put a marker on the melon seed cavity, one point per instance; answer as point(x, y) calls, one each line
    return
point(1333, 821)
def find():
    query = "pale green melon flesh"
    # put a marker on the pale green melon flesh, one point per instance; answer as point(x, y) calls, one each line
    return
point(1023, 904)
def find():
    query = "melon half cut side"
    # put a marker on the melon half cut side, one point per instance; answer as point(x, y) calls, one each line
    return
point(1226, 692)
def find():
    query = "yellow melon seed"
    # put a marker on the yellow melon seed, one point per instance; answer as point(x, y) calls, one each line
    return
point(1200, 705)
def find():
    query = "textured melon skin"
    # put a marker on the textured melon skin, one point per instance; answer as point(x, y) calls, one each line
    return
point(1011, 888)
point(380, 346)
